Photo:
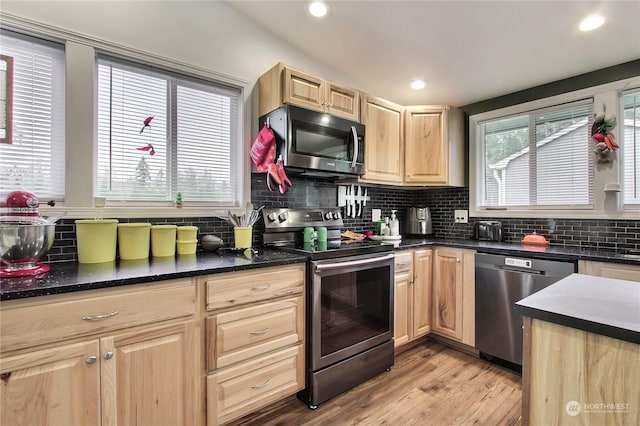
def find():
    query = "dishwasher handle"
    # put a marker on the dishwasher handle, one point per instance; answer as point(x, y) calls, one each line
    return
point(519, 270)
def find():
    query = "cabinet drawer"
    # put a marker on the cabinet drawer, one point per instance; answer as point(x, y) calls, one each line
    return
point(237, 288)
point(403, 262)
point(246, 387)
point(59, 317)
point(244, 333)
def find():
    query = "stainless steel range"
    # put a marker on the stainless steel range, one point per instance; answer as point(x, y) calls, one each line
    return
point(349, 301)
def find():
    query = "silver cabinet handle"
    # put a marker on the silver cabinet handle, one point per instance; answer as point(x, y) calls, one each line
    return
point(99, 317)
point(261, 288)
point(261, 385)
point(458, 259)
point(263, 331)
point(108, 355)
point(92, 359)
point(402, 263)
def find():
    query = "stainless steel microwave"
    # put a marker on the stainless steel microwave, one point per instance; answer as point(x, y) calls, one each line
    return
point(317, 143)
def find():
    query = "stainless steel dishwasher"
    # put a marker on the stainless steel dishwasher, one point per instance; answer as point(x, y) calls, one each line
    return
point(501, 281)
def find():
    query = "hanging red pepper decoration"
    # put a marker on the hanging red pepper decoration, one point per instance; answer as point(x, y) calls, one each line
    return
point(147, 123)
point(149, 148)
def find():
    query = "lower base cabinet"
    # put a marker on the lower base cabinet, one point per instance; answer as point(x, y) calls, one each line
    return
point(118, 356)
point(246, 387)
point(412, 298)
point(620, 271)
point(133, 378)
point(454, 294)
point(56, 386)
point(255, 328)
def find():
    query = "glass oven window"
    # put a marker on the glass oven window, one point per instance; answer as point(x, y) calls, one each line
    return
point(354, 308)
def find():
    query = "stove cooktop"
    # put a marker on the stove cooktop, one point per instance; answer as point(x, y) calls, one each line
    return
point(336, 248)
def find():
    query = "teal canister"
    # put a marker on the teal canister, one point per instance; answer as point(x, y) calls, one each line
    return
point(322, 234)
point(308, 234)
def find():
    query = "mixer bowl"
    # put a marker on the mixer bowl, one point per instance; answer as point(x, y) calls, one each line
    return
point(24, 241)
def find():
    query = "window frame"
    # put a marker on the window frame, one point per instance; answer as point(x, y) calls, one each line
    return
point(81, 126)
point(606, 204)
point(630, 90)
point(175, 80)
point(532, 147)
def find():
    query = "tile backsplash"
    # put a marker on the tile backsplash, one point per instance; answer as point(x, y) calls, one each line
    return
point(317, 192)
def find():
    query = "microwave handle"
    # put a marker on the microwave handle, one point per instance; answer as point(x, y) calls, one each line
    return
point(355, 146)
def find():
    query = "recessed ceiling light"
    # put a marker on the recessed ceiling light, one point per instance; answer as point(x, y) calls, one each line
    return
point(591, 22)
point(318, 9)
point(418, 84)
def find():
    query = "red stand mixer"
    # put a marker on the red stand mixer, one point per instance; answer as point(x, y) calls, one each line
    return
point(25, 237)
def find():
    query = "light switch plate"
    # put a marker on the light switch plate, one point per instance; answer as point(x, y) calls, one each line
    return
point(461, 216)
point(376, 214)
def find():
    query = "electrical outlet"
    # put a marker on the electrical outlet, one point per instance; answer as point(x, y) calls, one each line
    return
point(461, 216)
point(376, 214)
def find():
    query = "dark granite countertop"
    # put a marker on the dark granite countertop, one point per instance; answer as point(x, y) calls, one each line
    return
point(66, 277)
point(71, 276)
point(604, 306)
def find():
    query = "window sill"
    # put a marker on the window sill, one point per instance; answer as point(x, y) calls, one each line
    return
point(557, 214)
point(134, 212)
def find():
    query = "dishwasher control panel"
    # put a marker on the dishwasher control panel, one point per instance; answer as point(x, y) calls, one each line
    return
point(520, 263)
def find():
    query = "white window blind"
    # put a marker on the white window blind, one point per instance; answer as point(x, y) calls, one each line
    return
point(541, 158)
point(192, 135)
point(33, 159)
point(630, 147)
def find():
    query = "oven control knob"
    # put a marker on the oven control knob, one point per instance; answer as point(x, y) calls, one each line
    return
point(336, 215)
point(283, 216)
point(328, 216)
point(272, 217)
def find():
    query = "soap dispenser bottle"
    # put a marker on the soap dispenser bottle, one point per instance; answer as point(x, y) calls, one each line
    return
point(395, 224)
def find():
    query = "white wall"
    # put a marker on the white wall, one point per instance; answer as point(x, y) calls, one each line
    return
point(207, 34)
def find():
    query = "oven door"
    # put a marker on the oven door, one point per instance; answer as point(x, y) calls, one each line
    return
point(351, 307)
point(324, 142)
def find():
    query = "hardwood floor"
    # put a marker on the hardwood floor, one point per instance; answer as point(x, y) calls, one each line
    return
point(430, 384)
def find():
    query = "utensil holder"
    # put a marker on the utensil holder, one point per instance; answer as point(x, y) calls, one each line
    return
point(242, 236)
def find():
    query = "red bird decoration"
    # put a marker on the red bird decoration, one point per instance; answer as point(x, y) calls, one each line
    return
point(149, 148)
point(147, 123)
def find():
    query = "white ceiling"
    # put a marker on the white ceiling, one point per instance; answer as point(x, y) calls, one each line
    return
point(466, 51)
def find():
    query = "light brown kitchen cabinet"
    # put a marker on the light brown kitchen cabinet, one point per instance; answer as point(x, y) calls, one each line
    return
point(384, 152)
point(255, 332)
point(147, 376)
point(91, 359)
point(434, 146)
point(621, 271)
point(58, 385)
point(422, 289)
point(454, 294)
point(412, 298)
point(403, 304)
point(284, 85)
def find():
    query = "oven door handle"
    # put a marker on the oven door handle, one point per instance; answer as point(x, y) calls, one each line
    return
point(328, 266)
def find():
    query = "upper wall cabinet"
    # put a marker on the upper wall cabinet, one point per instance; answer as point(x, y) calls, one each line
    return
point(384, 160)
point(281, 85)
point(434, 146)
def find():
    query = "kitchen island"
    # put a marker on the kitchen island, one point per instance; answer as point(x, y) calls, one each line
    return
point(581, 363)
